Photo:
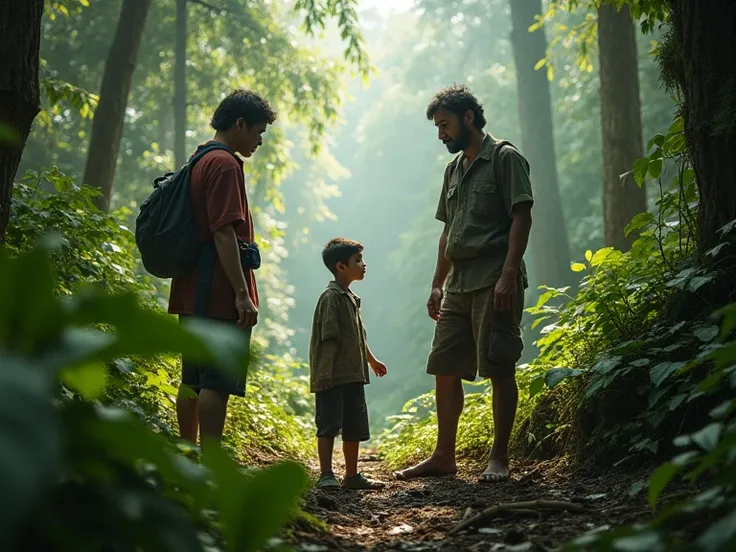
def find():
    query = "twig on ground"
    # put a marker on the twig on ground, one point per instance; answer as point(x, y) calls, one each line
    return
point(493, 511)
point(526, 513)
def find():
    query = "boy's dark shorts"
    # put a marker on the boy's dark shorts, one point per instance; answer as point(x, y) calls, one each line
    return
point(342, 409)
point(198, 376)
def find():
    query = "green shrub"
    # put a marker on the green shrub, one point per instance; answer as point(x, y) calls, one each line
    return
point(81, 475)
point(706, 520)
point(97, 247)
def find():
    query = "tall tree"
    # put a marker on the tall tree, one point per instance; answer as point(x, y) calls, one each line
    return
point(180, 85)
point(695, 60)
point(549, 244)
point(20, 102)
point(620, 123)
point(108, 123)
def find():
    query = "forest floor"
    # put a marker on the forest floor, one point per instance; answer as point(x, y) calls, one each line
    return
point(418, 515)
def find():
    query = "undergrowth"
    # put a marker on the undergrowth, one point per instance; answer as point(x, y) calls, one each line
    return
point(95, 247)
point(87, 419)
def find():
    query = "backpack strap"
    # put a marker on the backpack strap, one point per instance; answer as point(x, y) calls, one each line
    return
point(497, 157)
point(204, 150)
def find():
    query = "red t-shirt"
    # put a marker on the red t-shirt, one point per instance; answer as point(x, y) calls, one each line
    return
point(218, 197)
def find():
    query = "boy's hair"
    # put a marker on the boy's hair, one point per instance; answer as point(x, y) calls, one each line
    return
point(457, 99)
point(339, 250)
point(245, 104)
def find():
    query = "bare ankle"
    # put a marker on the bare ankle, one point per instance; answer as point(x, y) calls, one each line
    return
point(443, 456)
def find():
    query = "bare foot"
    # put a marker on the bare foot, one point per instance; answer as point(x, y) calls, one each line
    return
point(496, 471)
point(431, 467)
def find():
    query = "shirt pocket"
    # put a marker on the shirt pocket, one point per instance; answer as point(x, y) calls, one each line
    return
point(451, 201)
point(484, 194)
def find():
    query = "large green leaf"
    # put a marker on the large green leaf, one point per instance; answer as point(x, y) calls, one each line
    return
point(555, 376)
point(536, 385)
point(29, 439)
point(659, 480)
point(143, 332)
point(89, 380)
point(128, 440)
point(660, 372)
point(30, 315)
point(253, 510)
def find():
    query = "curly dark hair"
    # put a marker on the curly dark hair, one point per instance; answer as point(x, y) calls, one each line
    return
point(457, 99)
point(245, 104)
point(339, 250)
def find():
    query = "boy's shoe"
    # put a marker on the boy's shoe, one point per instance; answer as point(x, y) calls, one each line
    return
point(327, 480)
point(360, 481)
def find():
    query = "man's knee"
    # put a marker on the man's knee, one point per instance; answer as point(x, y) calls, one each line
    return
point(504, 381)
point(448, 382)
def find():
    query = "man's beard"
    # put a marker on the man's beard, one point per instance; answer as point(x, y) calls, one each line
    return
point(461, 142)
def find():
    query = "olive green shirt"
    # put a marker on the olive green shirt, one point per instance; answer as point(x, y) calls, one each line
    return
point(338, 352)
point(476, 206)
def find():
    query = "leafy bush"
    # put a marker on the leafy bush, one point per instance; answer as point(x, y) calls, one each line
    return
point(706, 520)
point(94, 247)
point(621, 335)
point(80, 475)
point(97, 247)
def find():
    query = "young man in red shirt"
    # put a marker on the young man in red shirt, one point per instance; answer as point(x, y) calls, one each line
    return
point(222, 215)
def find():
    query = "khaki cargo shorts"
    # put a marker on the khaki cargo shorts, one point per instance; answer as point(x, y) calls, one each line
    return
point(471, 338)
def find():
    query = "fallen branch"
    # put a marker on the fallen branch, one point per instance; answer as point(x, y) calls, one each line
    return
point(493, 511)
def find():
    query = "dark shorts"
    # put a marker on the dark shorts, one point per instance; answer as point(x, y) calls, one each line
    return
point(198, 376)
point(342, 409)
point(471, 338)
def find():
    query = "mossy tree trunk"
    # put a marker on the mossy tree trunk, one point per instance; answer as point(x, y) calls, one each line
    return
point(20, 96)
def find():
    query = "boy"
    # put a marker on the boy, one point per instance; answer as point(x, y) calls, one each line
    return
point(338, 363)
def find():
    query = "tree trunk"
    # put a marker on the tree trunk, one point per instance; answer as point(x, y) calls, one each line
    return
point(620, 124)
point(705, 32)
point(20, 96)
point(549, 244)
point(180, 85)
point(108, 123)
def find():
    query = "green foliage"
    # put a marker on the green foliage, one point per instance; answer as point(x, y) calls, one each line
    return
point(59, 94)
point(96, 247)
point(706, 520)
point(620, 333)
point(86, 476)
point(346, 13)
point(581, 35)
point(412, 434)
point(93, 246)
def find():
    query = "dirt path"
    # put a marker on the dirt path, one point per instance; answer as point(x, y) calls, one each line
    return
point(417, 515)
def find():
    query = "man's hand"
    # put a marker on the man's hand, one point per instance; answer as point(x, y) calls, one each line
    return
point(503, 294)
point(434, 303)
point(247, 312)
point(379, 368)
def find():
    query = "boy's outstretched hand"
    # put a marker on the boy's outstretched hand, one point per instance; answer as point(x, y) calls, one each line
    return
point(379, 368)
